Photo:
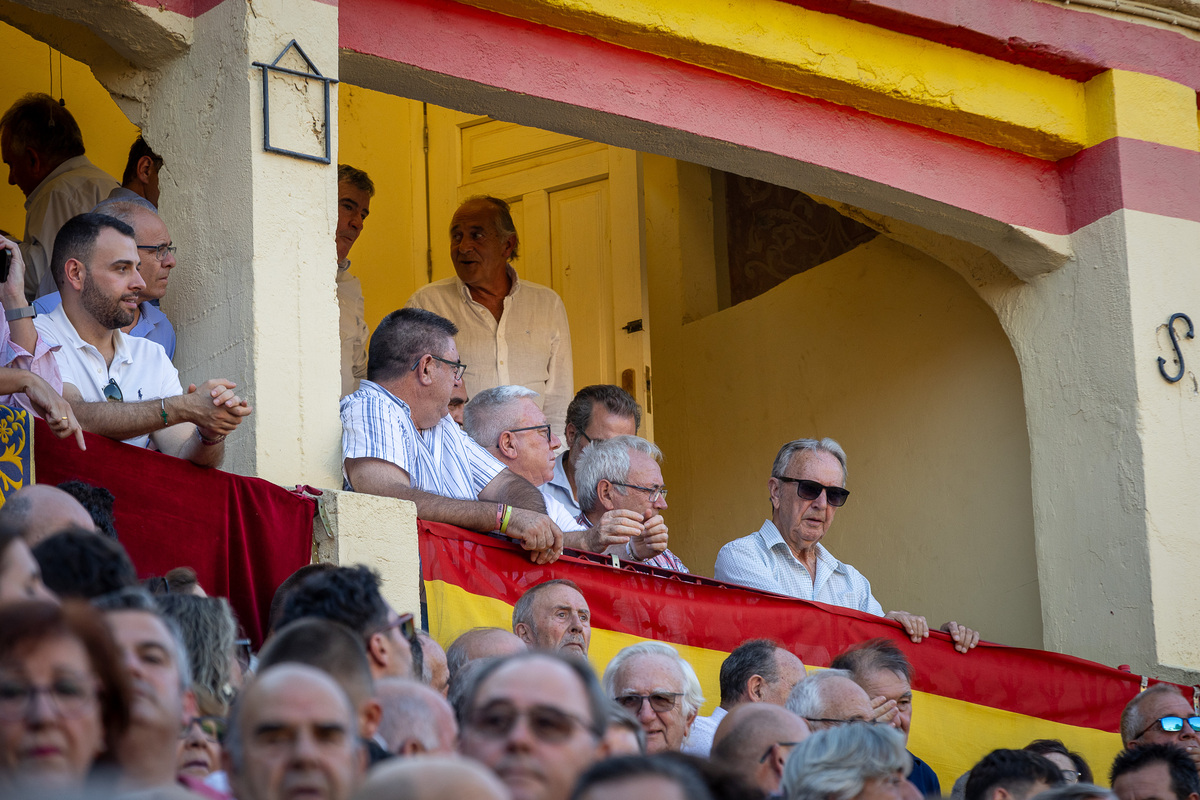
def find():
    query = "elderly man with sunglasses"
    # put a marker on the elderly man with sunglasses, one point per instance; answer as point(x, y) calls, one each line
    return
point(1161, 715)
point(537, 720)
point(785, 555)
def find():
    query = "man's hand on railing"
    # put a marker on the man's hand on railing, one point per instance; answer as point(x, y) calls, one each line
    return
point(914, 625)
point(653, 539)
point(964, 638)
point(536, 533)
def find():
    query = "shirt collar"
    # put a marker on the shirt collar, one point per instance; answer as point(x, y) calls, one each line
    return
point(375, 387)
point(514, 283)
point(121, 353)
point(773, 539)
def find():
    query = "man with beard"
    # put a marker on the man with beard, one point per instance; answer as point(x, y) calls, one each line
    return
point(554, 616)
point(119, 386)
point(153, 653)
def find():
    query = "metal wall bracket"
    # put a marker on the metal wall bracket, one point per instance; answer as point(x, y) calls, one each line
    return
point(1162, 362)
point(313, 74)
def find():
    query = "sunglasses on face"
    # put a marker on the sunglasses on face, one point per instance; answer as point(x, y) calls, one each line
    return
point(1172, 725)
point(660, 702)
point(546, 723)
point(811, 490)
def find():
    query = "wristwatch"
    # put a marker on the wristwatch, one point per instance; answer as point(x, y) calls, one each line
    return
point(14, 314)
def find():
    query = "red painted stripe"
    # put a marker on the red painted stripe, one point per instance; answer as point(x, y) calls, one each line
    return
point(544, 62)
point(716, 616)
point(1129, 173)
point(1056, 39)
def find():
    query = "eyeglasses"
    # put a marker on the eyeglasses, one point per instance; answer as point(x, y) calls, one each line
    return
point(660, 702)
point(112, 393)
point(213, 728)
point(243, 653)
point(408, 628)
point(655, 492)
point(459, 367)
point(70, 698)
point(160, 250)
point(547, 723)
point(1172, 725)
point(1070, 776)
point(771, 749)
point(811, 490)
point(545, 430)
point(589, 439)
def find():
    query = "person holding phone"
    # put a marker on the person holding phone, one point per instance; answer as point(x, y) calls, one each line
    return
point(29, 377)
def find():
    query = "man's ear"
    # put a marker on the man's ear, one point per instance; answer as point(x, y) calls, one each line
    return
point(75, 271)
point(754, 688)
point(411, 747)
point(145, 168)
point(370, 715)
point(422, 370)
point(505, 445)
point(378, 651)
point(569, 434)
point(773, 485)
point(525, 633)
point(604, 493)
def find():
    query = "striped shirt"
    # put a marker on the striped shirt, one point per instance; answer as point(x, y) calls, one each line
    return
point(442, 460)
point(664, 560)
point(764, 561)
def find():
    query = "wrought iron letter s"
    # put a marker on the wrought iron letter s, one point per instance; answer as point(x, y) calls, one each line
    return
point(1162, 362)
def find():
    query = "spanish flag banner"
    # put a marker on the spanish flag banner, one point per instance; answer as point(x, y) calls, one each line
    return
point(964, 706)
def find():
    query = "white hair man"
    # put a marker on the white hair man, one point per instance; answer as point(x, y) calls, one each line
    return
point(830, 698)
point(513, 331)
point(554, 615)
point(1161, 715)
point(416, 720)
point(653, 681)
point(597, 412)
point(785, 556)
point(622, 496)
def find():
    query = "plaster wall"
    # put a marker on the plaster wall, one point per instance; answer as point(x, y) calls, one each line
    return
point(885, 350)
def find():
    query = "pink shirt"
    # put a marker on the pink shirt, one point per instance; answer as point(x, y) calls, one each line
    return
point(41, 363)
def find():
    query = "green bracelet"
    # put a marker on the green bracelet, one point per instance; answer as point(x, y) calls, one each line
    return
point(163, 402)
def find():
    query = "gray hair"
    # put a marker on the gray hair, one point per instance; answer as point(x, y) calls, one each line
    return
point(135, 598)
point(620, 715)
point(807, 699)
point(608, 461)
point(789, 450)
point(356, 178)
point(835, 764)
point(693, 695)
point(1132, 722)
point(523, 610)
point(125, 210)
point(493, 411)
point(503, 219)
point(209, 632)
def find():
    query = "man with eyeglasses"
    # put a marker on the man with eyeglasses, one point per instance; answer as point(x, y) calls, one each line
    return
point(513, 331)
point(830, 698)
point(536, 720)
point(1160, 715)
point(785, 555)
point(597, 412)
point(652, 681)
point(622, 495)
point(119, 386)
point(398, 439)
point(157, 260)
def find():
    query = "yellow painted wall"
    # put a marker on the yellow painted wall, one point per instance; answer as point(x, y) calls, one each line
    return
point(381, 134)
point(883, 349)
point(107, 133)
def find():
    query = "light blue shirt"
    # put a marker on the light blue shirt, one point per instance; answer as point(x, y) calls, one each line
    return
point(559, 488)
point(764, 561)
point(442, 460)
point(152, 323)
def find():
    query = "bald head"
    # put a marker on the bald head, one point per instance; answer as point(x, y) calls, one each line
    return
point(432, 778)
point(481, 643)
point(416, 719)
point(40, 511)
point(434, 670)
point(828, 698)
point(751, 730)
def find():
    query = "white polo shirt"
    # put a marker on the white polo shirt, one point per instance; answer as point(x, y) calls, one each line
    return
point(140, 367)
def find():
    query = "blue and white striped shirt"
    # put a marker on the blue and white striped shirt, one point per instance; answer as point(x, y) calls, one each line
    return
point(764, 561)
point(442, 460)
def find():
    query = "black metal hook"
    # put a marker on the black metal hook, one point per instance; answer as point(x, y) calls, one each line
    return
point(1162, 362)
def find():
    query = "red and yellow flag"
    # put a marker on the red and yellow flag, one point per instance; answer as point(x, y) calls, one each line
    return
point(964, 706)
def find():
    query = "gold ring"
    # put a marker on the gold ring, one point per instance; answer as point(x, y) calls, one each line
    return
point(64, 419)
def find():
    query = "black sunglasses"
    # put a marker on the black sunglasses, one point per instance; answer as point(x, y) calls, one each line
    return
point(811, 490)
point(112, 392)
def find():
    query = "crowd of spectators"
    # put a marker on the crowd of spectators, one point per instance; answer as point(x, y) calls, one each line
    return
point(111, 686)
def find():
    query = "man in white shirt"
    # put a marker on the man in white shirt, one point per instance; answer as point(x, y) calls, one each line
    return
point(120, 386)
point(43, 147)
point(785, 556)
point(398, 439)
point(355, 190)
point(510, 331)
point(596, 413)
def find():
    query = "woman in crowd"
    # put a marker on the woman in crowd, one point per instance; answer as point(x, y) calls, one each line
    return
point(857, 761)
point(64, 695)
point(209, 633)
point(20, 575)
point(1074, 768)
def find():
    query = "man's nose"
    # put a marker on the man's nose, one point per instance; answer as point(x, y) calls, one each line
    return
point(304, 749)
point(168, 260)
point(555, 442)
point(576, 624)
point(645, 712)
point(138, 281)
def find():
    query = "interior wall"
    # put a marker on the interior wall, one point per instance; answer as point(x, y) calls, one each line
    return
point(884, 349)
point(25, 64)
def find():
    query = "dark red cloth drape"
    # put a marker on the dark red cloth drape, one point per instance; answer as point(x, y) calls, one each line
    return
point(243, 536)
